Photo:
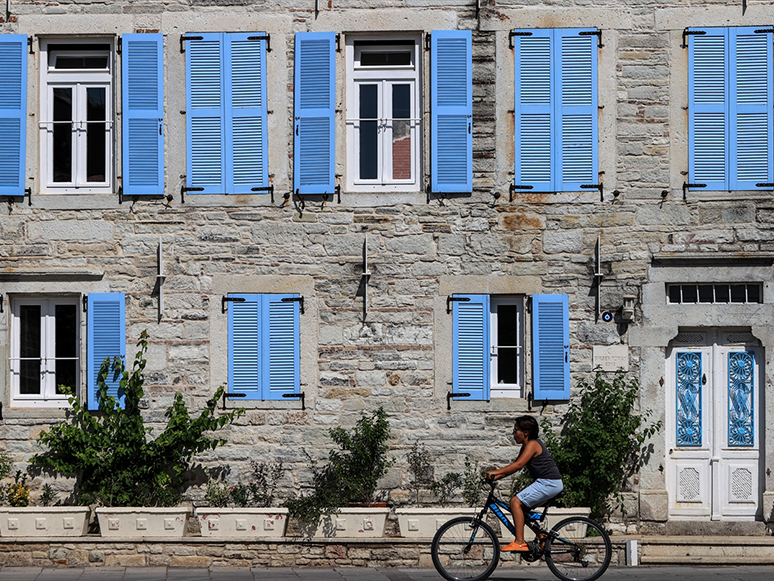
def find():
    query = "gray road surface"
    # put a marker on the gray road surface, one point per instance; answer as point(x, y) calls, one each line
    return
point(531, 573)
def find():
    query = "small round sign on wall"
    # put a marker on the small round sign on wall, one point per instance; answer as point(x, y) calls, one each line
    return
point(607, 316)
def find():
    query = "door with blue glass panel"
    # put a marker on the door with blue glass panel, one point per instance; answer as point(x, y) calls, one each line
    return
point(713, 451)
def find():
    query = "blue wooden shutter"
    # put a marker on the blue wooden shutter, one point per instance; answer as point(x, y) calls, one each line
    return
point(244, 346)
point(106, 339)
point(470, 347)
point(142, 70)
point(315, 107)
point(246, 131)
point(13, 113)
point(280, 338)
point(707, 108)
point(205, 112)
point(575, 142)
point(451, 98)
point(551, 347)
point(533, 113)
point(750, 108)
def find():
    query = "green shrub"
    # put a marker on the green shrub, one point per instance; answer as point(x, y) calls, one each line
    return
point(446, 487)
point(420, 470)
point(601, 441)
point(109, 451)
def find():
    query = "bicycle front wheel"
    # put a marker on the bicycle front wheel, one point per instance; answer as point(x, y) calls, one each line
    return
point(578, 549)
point(465, 549)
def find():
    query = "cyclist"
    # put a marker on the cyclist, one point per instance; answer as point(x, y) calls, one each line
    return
point(543, 470)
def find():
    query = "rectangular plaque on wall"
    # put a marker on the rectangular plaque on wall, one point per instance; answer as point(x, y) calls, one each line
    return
point(611, 357)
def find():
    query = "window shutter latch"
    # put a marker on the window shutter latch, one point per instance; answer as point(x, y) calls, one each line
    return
point(225, 300)
point(764, 31)
point(451, 299)
point(295, 300)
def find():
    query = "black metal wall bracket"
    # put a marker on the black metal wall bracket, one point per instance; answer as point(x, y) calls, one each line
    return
point(184, 189)
point(232, 395)
point(514, 187)
point(85, 303)
point(686, 185)
point(269, 189)
point(295, 300)
point(764, 185)
point(513, 34)
point(764, 31)
point(300, 395)
point(687, 33)
point(427, 41)
point(597, 33)
point(29, 44)
point(1, 303)
point(225, 300)
point(266, 37)
point(595, 187)
point(450, 300)
point(450, 395)
point(185, 38)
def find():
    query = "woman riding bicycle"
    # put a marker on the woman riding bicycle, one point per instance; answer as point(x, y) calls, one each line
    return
point(543, 470)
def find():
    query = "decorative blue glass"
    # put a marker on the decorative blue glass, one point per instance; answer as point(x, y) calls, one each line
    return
point(688, 399)
point(740, 398)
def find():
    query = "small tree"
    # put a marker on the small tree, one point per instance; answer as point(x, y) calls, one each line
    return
point(601, 442)
point(109, 451)
point(420, 469)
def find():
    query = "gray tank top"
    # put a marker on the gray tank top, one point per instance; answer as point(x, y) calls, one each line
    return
point(543, 465)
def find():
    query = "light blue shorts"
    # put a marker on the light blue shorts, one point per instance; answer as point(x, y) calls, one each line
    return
point(539, 492)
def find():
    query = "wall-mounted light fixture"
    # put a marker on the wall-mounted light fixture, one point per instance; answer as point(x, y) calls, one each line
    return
point(627, 311)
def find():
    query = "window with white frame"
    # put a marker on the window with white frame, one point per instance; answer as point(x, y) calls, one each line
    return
point(383, 113)
point(45, 350)
point(76, 115)
point(506, 330)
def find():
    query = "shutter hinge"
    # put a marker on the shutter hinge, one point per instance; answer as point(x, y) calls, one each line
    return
point(513, 33)
point(300, 395)
point(597, 33)
point(266, 37)
point(514, 187)
point(185, 38)
point(30, 40)
point(595, 187)
point(85, 303)
point(450, 396)
point(450, 300)
point(427, 41)
point(764, 185)
point(225, 300)
point(765, 31)
point(227, 395)
point(184, 189)
point(118, 45)
point(295, 300)
point(687, 33)
point(269, 189)
point(686, 185)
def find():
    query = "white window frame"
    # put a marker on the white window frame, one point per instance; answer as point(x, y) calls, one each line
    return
point(48, 398)
point(496, 389)
point(79, 80)
point(384, 77)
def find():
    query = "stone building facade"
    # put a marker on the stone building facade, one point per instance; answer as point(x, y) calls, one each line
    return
point(668, 280)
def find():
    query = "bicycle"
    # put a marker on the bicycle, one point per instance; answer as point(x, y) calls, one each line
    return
point(466, 548)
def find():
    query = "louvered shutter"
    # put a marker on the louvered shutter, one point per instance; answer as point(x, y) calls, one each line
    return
point(470, 347)
point(246, 131)
point(244, 346)
point(551, 347)
point(451, 98)
point(280, 338)
point(205, 127)
point(750, 108)
point(315, 106)
point(533, 111)
point(106, 339)
point(142, 98)
point(707, 108)
point(13, 113)
point(576, 142)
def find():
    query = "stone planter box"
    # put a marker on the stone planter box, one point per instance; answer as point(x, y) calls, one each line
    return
point(143, 521)
point(44, 521)
point(353, 523)
point(242, 522)
point(418, 523)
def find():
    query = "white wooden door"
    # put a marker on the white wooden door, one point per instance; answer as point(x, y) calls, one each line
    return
point(713, 427)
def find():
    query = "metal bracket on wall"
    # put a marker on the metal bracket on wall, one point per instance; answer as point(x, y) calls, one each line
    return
point(269, 189)
point(514, 187)
point(450, 395)
point(450, 300)
point(299, 300)
point(266, 37)
point(160, 278)
point(1, 303)
point(225, 300)
point(687, 33)
point(85, 303)
point(300, 395)
point(233, 395)
point(513, 34)
point(686, 185)
point(598, 186)
point(184, 189)
point(598, 275)
point(597, 33)
point(185, 38)
point(362, 289)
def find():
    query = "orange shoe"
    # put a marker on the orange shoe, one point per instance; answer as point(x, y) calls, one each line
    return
point(514, 546)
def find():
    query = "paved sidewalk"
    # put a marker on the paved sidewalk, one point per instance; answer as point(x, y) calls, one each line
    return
point(530, 573)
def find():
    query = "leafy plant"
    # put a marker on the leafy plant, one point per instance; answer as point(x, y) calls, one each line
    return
point(420, 470)
point(471, 483)
point(601, 442)
point(265, 476)
point(216, 493)
point(352, 472)
point(110, 453)
point(446, 487)
point(19, 492)
point(47, 497)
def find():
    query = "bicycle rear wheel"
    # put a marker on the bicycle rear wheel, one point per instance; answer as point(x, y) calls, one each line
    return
point(578, 549)
point(465, 549)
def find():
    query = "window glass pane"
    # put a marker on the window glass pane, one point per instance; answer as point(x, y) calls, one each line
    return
point(674, 293)
point(689, 293)
point(507, 365)
point(369, 107)
point(66, 335)
point(507, 341)
point(385, 59)
point(705, 293)
point(401, 132)
point(81, 62)
point(738, 294)
point(95, 134)
point(721, 293)
point(753, 293)
point(63, 134)
point(29, 349)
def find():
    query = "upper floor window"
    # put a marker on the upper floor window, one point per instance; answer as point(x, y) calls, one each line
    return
point(555, 110)
point(383, 114)
point(717, 293)
point(76, 116)
point(730, 108)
